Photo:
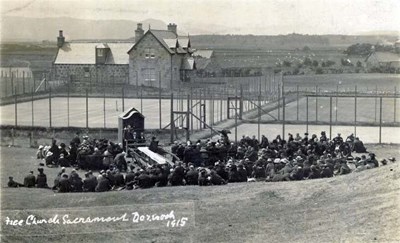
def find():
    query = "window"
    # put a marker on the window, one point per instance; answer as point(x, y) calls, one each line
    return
point(87, 72)
point(149, 74)
point(149, 53)
point(100, 52)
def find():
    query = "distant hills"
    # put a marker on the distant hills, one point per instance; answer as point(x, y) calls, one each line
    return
point(17, 29)
point(39, 29)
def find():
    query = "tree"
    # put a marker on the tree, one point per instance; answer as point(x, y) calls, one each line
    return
point(307, 61)
point(306, 49)
point(315, 63)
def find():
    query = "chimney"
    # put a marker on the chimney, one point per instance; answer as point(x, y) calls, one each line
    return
point(172, 27)
point(139, 32)
point(60, 39)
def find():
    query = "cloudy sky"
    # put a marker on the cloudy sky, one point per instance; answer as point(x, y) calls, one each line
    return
point(260, 17)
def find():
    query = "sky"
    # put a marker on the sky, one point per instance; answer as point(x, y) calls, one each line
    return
point(258, 17)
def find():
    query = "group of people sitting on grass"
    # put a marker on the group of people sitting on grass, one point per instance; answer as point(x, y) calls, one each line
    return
point(207, 163)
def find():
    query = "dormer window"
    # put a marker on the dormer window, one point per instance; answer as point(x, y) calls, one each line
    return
point(100, 52)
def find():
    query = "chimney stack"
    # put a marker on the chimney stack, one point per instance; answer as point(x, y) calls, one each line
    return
point(139, 32)
point(172, 27)
point(60, 39)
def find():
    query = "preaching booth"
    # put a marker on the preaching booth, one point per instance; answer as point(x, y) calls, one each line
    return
point(131, 127)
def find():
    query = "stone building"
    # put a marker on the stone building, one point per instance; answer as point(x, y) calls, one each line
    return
point(160, 58)
point(91, 62)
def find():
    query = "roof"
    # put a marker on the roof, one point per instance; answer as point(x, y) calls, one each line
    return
point(188, 63)
point(184, 41)
point(85, 53)
point(171, 43)
point(164, 34)
point(202, 63)
point(203, 53)
point(385, 56)
point(168, 40)
point(128, 114)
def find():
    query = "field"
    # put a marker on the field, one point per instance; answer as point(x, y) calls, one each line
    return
point(306, 211)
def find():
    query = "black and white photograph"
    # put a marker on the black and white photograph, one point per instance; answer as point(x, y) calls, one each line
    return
point(199, 121)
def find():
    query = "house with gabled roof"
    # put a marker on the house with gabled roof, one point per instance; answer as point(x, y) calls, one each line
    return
point(160, 58)
point(383, 60)
point(91, 62)
point(154, 58)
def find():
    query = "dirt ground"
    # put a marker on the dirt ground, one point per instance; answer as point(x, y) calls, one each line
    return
point(359, 207)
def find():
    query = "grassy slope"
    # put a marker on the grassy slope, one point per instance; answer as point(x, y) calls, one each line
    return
point(355, 208)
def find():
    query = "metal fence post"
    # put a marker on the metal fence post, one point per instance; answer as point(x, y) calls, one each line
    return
point(68, 94)
point(159, 98)
point(394, 104)
point(316, 104)
point(50, 123)
point(380, 120)
point(32, 107)
point(330, 117)
point(297, 107)
point(355, 111)
point(307, 113)
point(16, 107)
point(336, 103)
point(123, 99)
point(104, 107)
point(172, 117)
point(87, 108)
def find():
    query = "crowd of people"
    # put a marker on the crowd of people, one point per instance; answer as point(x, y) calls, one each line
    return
point(202, 163)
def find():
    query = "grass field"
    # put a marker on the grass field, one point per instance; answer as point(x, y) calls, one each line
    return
point(359, 207)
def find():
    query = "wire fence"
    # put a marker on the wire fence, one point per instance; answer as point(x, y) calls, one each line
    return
point(266, 99)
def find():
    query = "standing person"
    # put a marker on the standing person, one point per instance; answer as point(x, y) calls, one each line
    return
point(41, 180)
point(30, 180)
point(153, 145)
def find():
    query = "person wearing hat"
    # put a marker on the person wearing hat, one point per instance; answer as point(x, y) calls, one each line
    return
point(120, 161)
point(63, 161)
point(314, 172)
point(372, 162)
point(153, 145)
point(41, 179)
point(12, 183)
point(144, 180)
point(192, 176)
point(103, 184)
point(233, 174)
point(323, 137)
point(344, 168)
point(242, 172)
point(358, 146)
point(326, 171)
point(76, 181)
point(215, 179)
point(55, 150)
point(64, 185)
point(39, 152)
point(89, 184)
point(30, 180)
point(270, 168)
point(203, 177)
point(338, 140)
